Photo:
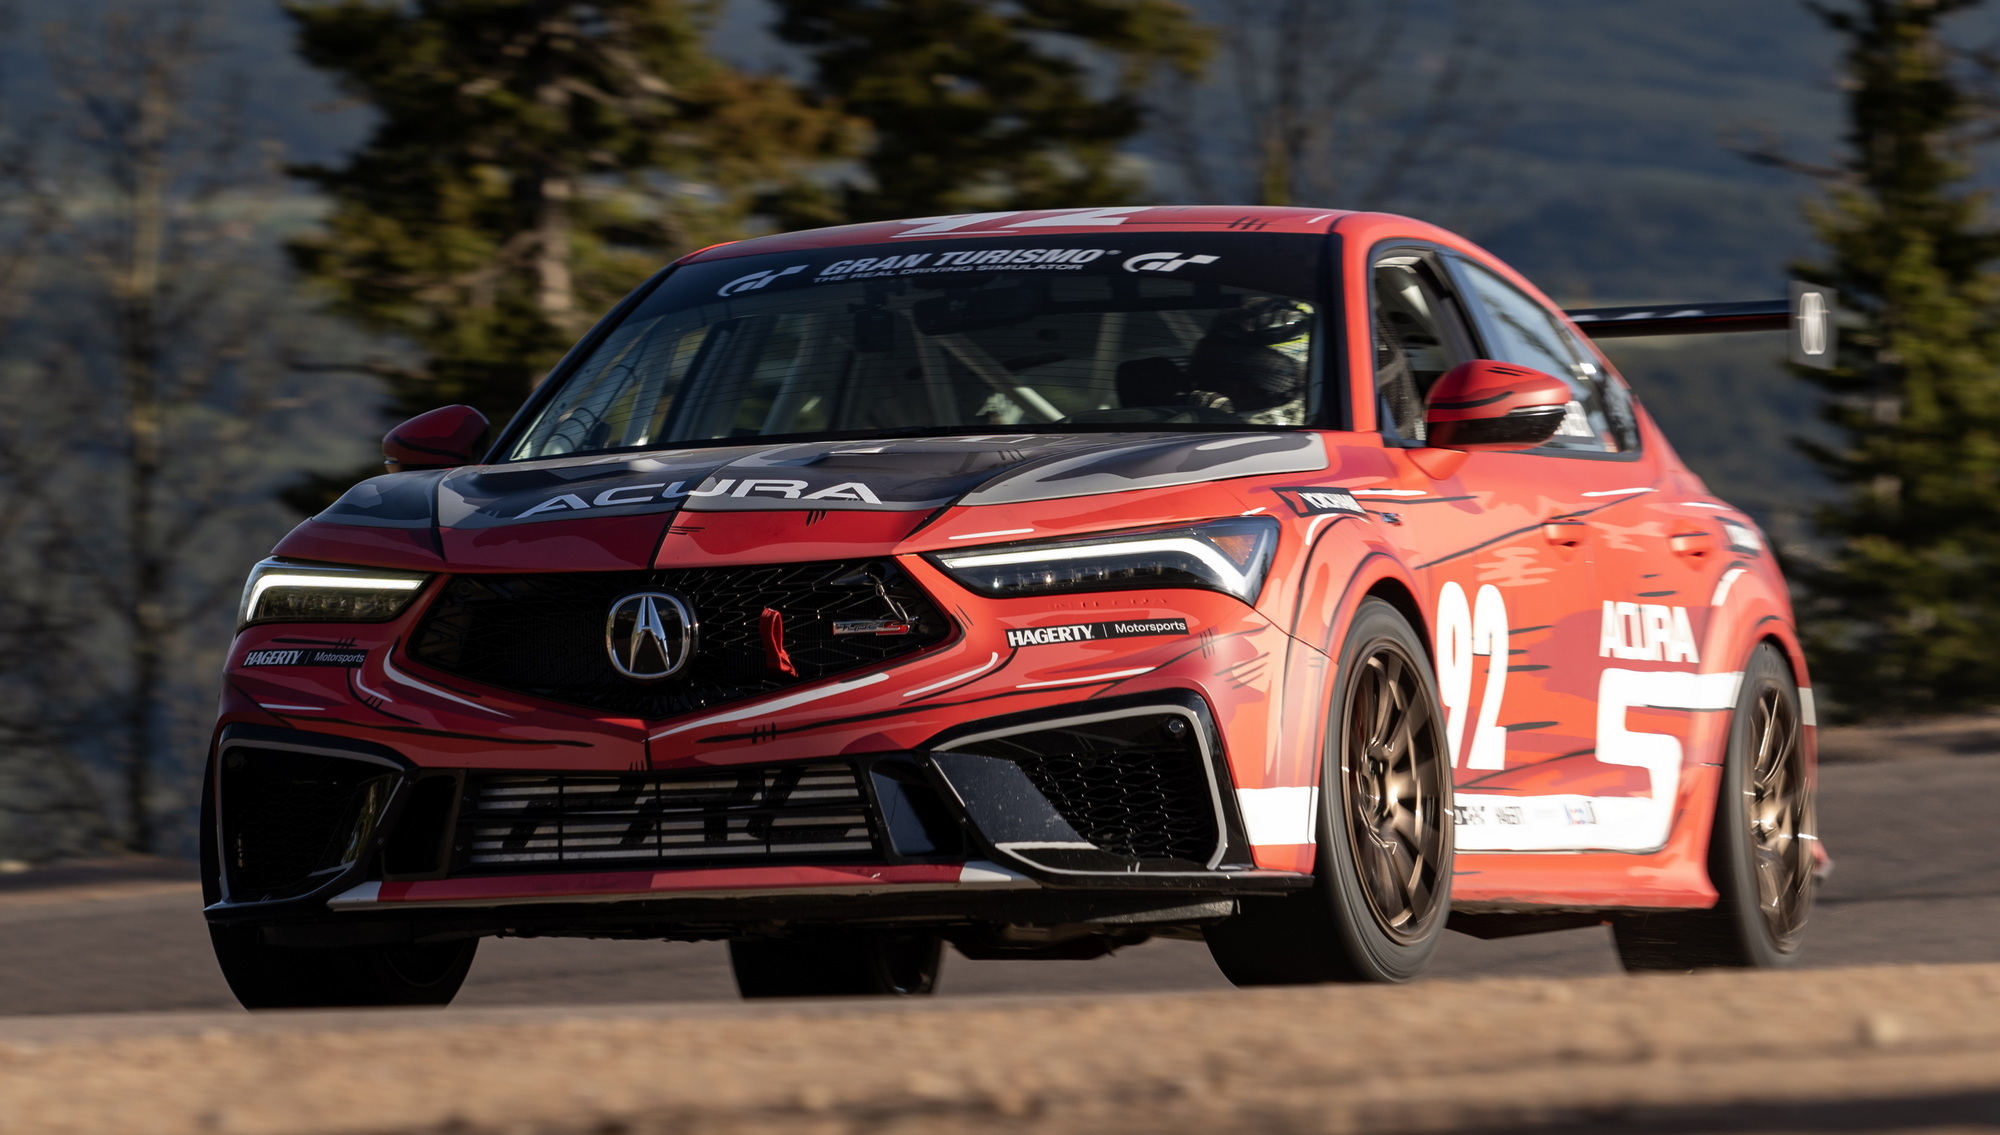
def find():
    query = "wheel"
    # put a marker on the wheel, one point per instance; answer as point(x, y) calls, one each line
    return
point(837, 963)
point(1382, 881)
point(1760, 856)
point(291, 977)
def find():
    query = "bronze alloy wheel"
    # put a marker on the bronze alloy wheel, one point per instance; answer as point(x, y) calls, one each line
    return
point(1381, 886)
point(1761, 847)
point(1778, 805)
point(1396, 780)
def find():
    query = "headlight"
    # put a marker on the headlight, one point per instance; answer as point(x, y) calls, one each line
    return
point(280, 592)
point(1224, 555)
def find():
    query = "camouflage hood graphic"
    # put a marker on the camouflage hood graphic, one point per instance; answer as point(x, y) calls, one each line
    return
point(909, 475)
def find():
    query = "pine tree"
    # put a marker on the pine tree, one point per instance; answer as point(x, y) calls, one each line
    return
point(1906, 613)
point(984, 104)
point(533, 160)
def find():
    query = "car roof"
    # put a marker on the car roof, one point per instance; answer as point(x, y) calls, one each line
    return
point(1025, 223)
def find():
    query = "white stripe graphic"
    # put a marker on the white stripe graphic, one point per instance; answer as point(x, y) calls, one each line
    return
point(762, 708)
point(389, 671)
point(1723, 585)
point(954, 679)
point(1088, 678)
point(1279, 816)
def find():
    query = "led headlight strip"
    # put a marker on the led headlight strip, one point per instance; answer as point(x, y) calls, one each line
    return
point(325, 593)
point(1191, 556)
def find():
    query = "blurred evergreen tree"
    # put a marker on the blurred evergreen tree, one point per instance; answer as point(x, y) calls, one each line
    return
point(1905, 615)
point(532, 161)
point(984, 104)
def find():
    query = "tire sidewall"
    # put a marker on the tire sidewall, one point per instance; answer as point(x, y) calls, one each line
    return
point(1732, 866)
point(1376, 955)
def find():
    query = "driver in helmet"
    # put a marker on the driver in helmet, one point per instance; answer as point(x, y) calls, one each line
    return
point(1251, 363)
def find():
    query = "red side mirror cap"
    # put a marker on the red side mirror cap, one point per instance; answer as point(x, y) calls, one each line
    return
point(440, 439)
point(1488, 405)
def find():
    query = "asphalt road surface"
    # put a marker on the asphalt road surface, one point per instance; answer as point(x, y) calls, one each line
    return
point(1917, 879)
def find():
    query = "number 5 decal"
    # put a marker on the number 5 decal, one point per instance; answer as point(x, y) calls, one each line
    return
point(1463, 632)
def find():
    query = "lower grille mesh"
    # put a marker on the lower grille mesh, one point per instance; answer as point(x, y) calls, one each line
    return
point(514, 823)
point(1134, 786)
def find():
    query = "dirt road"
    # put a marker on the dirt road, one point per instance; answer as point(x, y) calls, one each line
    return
point(1908, 1047)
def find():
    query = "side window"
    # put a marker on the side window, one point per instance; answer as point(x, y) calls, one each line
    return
point(1416, 340)
point(1519, 330)
point(1607, 398)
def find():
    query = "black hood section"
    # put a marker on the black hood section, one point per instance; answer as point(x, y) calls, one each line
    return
point(393, 500)
point(898, 475)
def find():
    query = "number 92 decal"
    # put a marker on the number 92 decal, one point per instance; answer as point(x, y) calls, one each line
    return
point(1465, 632)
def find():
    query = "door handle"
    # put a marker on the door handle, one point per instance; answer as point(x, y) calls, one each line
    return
point(1564, 532)
point(1692, 544)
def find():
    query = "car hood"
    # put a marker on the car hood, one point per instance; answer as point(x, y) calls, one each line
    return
point(605, 512)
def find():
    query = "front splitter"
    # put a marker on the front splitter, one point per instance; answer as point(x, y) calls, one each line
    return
point(654, 886)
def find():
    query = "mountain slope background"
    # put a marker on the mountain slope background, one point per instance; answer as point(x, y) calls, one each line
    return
point(1608, 181)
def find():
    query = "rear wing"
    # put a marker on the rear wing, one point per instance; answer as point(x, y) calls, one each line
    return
point(1809, 315)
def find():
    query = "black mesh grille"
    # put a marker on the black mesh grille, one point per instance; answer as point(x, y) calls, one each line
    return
point(544, 634)
point(1134, 786)
point(287, 816)
point(538, 822)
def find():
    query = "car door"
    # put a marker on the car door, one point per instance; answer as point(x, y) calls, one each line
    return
point(1582, 533)
point(1486, 537)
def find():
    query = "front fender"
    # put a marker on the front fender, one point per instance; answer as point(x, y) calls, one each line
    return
point(1279, 800)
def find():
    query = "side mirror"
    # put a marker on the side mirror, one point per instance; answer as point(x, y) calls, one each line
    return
point(1494, 406)
point(439, 439)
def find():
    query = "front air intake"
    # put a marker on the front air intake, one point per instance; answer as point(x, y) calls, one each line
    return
point(1135, 783)
point(289, 818)
point(771, 813)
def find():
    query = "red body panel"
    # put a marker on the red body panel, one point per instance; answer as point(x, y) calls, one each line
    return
point(1588, 617)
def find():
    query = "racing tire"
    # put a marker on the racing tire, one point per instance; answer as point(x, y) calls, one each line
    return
point(1760, 853)
point(293, 977)
point(1381, 888)
point(838, 963)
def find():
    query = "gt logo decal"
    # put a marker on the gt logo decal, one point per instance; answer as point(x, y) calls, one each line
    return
point(1466, 631)
point(756, 280)
point(1165, 261)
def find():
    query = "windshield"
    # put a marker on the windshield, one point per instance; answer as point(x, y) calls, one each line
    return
point(1169, 330)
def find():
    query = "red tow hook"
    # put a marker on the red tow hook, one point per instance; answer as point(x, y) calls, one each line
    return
point(771, 625)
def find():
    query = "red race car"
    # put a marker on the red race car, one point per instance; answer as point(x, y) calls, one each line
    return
point(1037, 582)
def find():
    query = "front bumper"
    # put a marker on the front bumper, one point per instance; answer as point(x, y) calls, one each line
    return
point(1003, 821)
